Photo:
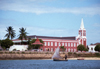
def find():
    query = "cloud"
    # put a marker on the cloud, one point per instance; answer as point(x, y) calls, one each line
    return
point(31, 30)
point(93, 35)
point(96, 24)
point(34, 6)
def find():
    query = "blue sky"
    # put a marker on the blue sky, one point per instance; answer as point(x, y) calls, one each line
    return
point(51, 17)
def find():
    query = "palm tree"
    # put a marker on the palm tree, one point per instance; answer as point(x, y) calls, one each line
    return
point(11, 33)
point(22, 34)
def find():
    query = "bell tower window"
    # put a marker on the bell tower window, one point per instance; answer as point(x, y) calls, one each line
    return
point(84, 34)
point(80, 33)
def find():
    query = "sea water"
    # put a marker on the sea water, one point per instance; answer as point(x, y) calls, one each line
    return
point(49, 64)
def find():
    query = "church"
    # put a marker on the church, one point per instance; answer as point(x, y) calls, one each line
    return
point(70, 43)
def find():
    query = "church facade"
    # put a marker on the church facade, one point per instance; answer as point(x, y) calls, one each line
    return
point(70, 43)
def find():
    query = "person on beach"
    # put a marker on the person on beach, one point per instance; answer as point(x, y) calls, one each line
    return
point(65, 57)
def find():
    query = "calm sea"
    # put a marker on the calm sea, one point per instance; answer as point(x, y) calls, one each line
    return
point(49, 64)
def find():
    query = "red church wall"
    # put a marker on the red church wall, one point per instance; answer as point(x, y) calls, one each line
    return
point(85, 43)
point(63, 43)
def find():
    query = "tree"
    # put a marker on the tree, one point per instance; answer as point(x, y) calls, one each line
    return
point(81, 47)
point(11, 33)
point(35, 46)
point(97, 48)
point(62, 48)
point(0, 42)
point(6, 43)
point(22, 34)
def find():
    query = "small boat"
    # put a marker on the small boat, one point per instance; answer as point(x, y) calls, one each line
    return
point(80, 59)
point(56, 56)
point(59, 60)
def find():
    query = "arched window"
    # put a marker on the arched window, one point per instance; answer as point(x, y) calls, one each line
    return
point(80, 33)
point(84, 34)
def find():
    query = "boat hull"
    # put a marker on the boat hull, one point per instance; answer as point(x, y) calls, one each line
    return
point(80, 59)
point(59, 60)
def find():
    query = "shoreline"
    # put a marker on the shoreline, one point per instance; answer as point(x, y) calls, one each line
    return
point(86, 58)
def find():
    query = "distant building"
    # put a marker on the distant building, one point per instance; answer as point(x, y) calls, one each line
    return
point(51, 43)
point(92, 47)
point(18, 48)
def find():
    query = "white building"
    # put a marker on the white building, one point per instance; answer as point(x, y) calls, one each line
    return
point(92, 47)
point(18, 47)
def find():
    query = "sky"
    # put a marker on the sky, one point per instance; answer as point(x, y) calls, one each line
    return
point(60, 18)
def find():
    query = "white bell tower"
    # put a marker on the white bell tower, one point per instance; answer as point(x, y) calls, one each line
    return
point(82, 34)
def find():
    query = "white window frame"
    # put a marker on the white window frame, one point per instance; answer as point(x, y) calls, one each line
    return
point(45, 43)
point(59, 44)
point(71, 44)
point(51, 49)
point(74, 50)
point(55, 43)
point(68, 44)
point(62, 44)
point(74, 44)
point(77, 44)
point(71, 50)
point(48, 43)
point(51, 43)
point(65, 44)
point(45, 49)
point(68, 49)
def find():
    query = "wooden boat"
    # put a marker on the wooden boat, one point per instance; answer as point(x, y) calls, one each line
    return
point(59, 60)
point(80, 59)
point(56, 56)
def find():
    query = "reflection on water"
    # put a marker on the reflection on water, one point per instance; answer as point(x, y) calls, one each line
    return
point(49, 64)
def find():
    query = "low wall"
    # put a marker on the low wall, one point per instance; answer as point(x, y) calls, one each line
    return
point(41, 55)
point(26, 55)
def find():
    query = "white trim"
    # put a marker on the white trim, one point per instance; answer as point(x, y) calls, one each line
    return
point(61, 41)
point(20, 41)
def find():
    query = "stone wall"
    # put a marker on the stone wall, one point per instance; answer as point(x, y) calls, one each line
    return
point(41, 55)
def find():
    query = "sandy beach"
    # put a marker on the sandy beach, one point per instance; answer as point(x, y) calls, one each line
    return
point(85, 58)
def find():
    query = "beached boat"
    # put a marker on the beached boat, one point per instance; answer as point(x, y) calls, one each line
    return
point(59, 60)
point(56, 56)
point(80, 59)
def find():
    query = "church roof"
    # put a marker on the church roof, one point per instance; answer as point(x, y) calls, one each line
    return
point(37, 42)
point(95, 44)
point(49, 37)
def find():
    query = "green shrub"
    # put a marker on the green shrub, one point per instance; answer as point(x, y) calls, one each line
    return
point(18, 53)
point(74, 53)
point(23, 52)
point(69, 52)
point(13, 52)
point(78, 55)
point(1, 52)
point(29, 52)
point(14, 49)
point(10, 52)
point(97, 54)
point(6, 52)
point(46, 53)
point(63, 52)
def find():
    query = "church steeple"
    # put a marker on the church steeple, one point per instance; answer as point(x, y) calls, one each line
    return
point(82, 25)
point(82, 34)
